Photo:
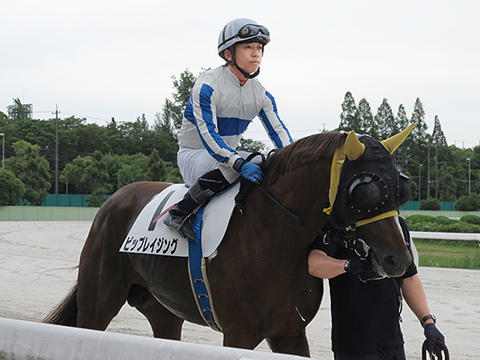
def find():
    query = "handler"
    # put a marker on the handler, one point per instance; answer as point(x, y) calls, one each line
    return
point(223, 103)
point(366, 312)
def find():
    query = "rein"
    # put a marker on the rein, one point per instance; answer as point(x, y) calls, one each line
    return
point(298, 219)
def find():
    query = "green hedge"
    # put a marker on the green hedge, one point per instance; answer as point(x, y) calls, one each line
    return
point(467, 224)
point(471, 219)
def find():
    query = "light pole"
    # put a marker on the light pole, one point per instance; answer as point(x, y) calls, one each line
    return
point(469, 174)
point(3, 150)
point(419, 181)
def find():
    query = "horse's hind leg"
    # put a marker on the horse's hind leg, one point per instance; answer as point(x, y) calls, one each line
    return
point(164, 324)
point(100, 297)
point(104, 278)
point(296, 345)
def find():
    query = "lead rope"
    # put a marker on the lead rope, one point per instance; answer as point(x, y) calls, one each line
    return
point(400, 298)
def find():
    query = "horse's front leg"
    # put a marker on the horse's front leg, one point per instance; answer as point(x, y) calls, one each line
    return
point(290, 344)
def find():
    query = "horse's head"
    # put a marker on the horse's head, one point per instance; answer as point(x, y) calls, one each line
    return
point(366, 195)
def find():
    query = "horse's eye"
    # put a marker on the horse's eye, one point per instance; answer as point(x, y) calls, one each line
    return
point(366, 196)
point(404, 187)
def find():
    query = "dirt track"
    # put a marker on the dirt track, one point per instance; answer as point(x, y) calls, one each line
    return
point(37, 261)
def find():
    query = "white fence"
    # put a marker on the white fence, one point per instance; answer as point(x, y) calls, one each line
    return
point(445, 236)
point(23, 340)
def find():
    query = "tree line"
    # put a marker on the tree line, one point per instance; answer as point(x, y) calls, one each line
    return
point(99, 159)
point(436, 170)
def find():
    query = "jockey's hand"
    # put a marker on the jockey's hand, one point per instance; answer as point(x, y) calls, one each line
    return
point(248, 170)
point(435, 340)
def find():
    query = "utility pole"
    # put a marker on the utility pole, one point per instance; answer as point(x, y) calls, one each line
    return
point(3, 150)
point(469, 174)
point(428, 171)
point(436, 172)
point(56, 149)
point(419, 181)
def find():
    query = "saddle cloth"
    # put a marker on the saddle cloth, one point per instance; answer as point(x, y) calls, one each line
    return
point(149, 235)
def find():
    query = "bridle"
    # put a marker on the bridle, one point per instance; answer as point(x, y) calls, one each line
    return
point(349, 235)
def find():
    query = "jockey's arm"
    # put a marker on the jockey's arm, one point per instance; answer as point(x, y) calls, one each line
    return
point(276, 129)
point(323, 266)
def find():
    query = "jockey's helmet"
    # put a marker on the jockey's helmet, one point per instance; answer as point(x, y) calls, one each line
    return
point(241, 31)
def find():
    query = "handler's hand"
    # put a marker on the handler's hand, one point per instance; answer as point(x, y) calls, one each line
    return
point(357, 266)
point(435, 342)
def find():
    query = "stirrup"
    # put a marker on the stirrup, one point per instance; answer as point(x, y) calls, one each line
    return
point(184, 227)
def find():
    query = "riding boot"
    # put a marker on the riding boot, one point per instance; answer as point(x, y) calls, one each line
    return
point(181, 216)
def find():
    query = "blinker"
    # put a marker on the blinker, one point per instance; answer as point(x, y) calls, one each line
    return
point(365, 184)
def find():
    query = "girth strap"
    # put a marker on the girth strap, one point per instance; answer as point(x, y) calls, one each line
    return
point(198, 276)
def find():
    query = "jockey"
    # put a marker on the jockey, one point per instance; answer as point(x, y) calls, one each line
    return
point(222, 104)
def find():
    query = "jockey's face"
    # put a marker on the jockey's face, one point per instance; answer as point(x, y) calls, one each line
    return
point(248, 56)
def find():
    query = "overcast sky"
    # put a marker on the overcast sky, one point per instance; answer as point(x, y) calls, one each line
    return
point(102, 59)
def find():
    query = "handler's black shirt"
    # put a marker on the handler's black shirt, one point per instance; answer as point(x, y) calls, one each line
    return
point(365, 316)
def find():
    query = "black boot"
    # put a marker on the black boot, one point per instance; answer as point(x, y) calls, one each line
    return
point(182, 216)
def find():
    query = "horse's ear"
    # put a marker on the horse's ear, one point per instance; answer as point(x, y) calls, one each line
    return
point(392, 143)
point(353, 147)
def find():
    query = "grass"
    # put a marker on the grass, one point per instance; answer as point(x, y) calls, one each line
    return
point(448, 254)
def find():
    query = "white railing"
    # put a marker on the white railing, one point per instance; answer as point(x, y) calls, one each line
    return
point(445, 236)
point(22, 340)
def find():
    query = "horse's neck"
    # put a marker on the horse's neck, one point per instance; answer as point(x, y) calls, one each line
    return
point(303, 191)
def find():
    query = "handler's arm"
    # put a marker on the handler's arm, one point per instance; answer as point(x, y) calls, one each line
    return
point(323, 266)
point(415, 297)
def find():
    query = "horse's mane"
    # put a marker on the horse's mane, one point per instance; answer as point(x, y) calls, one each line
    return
point(301, 152)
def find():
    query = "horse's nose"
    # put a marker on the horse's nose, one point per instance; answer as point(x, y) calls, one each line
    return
point(393, 266)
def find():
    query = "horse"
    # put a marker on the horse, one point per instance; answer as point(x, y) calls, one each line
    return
point(259, 279)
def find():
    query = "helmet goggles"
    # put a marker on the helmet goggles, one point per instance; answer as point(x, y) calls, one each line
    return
point(251, 31)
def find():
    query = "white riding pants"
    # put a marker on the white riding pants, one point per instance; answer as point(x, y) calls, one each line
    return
point(193, 163)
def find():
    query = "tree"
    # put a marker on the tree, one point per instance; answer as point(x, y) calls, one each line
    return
point(438, 137)
point(97, 197)
point(402, 122)
point(32, 169)
point(173, 175)
point(385, 121)
point(172, 112)
point(164, 121)
point(349, 115)
point(419, 133)
point(12, 188)
point(402, 119)
point(156, 166)
point(87, 173)
point(467, 203)
point(250, 145)
point(366, 121)
point(134, 168)
point(446, 184)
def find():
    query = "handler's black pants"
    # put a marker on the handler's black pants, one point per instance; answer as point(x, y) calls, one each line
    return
point(396, 353)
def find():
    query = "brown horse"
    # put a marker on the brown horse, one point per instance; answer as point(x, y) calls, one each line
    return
point(259, 279)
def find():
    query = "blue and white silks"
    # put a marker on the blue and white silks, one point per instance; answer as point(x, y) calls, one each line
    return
point(219, 111)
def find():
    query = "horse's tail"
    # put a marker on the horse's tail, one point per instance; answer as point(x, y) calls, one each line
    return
point(65, 313)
